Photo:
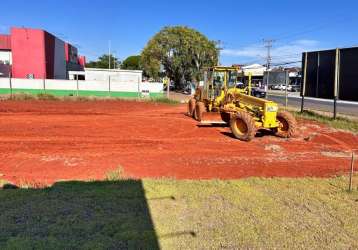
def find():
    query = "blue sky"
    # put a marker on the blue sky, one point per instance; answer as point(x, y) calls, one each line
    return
point(241, 25)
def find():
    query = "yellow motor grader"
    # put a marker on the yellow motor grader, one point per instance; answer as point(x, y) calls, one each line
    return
point(221, 101)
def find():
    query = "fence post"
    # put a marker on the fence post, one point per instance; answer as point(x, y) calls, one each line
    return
point(335, 107)
point(138, 91)
point(168, 88)
point(109, 85)
point(44, 84)
point(286, 82)
point(303, 88)
point(351, 173)
point(77, 85)
point(336, 83)
point(10, 83)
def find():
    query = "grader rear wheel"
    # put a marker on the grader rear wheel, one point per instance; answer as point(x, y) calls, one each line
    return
point(287, 125)
point(191, 107)
point(243, 126)
point(199, 110)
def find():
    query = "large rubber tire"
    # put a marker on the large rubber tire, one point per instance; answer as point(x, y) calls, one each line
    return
point(191, 107)
point(243, 126)
point(199, 110)
point(287, 125)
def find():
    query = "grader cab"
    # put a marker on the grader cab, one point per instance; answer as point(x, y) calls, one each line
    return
point(219, 84)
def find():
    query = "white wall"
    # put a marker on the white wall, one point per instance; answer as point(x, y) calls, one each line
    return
point(27, 84)
point(4, 83)
point(6, 56)
point(114, 85)
point(119, 75)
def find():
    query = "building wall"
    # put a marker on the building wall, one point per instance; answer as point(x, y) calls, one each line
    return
point(28, 53)
point(5, 42)
point(60, 71)
point(39, 54)
point(50, 55)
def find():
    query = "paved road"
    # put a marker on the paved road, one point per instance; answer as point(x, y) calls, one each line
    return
point(345, 108)
point(294, 100)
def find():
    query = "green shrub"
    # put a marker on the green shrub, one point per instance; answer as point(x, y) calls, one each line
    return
point(46, 96)
point(22, 96)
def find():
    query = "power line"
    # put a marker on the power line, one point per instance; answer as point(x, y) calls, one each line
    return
point(286, 63)
point(268, 44)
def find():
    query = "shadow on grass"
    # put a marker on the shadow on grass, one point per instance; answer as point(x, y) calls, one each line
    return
point(77, 215)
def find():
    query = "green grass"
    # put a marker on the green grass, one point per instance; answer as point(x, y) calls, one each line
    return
point(339, 123)
point(3, 182)
point(46, 96)
point(23, 96)
point(164, 100)
point(252, 213)
point(115, 175)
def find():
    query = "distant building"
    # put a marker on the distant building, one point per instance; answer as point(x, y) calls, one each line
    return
point(37, 54)
point(114, 75)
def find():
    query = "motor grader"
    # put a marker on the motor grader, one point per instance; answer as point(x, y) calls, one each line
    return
point(244, 113)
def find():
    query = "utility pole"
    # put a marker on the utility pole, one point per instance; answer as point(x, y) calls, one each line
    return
point(268, 44)
point(109, 55)
point(220, 48)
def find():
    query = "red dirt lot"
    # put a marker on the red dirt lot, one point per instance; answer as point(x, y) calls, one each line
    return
point(48, 141)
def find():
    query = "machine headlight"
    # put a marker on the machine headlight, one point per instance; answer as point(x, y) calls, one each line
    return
point(272, 109)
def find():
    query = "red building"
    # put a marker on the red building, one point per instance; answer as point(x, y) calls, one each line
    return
point(35, 53)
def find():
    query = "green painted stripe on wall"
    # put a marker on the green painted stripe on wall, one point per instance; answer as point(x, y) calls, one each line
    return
point(80, 93)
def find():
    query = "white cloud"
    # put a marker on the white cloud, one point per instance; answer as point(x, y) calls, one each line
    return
point(280, 53)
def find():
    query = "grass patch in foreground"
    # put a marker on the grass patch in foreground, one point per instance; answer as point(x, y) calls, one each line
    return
point(338, 123)
point(151, 214)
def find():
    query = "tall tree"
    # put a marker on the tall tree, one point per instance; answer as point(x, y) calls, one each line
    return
point(103, 62)
point(132, 63)
point(183, 52)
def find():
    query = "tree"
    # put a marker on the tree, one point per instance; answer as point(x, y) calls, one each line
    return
point(132, 63)
point(103, 62)
point(182, 51)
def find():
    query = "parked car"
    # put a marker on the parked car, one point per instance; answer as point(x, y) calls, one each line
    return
point(189, 89)
point(258, 92)
point(255, 91)
point(294, 88)
point(171, 86)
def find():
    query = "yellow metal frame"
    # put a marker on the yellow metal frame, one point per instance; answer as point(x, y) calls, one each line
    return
point(264, 111)
point(212, 101)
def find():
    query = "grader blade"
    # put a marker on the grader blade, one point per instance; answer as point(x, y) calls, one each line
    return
point(211, 118)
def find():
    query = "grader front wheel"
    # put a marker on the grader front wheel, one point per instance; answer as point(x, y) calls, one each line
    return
point(286, 125)
point(199, 110)
point(243, 126)
point(191, 107)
